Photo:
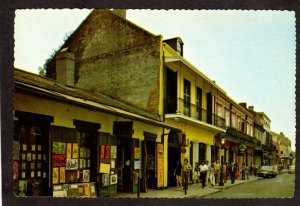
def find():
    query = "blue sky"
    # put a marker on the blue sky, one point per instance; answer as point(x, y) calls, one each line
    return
point(250, 54)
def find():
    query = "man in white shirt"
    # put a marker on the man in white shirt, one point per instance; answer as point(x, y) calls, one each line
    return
point(203, 172)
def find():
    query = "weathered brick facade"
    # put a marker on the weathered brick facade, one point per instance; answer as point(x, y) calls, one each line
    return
point(117, 58)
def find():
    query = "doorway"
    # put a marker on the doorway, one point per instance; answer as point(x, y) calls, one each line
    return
point(173, 158)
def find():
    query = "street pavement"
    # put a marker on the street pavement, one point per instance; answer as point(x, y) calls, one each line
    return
point(194, 190)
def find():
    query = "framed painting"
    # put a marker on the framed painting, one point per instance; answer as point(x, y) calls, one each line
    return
point(39, 156)
point(23, 156)
point(102, 152)
point(105, 180)
point(33, 157)
point(28, 157)
point(62, 175)
point(74, 150)
point(71, 176)
point(104, 168)
point(24, 147)
point(16, 150)
point(113, 152)
point(15, 170)
point(59, 148)
point(33, 148)
point(59, 160)
point(22, 187)
point(107, 152)
point(86, 175)
point(32, 165)
point(23, 165)
point(69, 150)
point(55, 175)
point(39, 165)
point(72, 164)
point(39, 148)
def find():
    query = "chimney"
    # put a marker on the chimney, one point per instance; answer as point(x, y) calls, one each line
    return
point(176, 44)
point(243, 104)
point(251, 108)
point(120, 12)
point(65, 67)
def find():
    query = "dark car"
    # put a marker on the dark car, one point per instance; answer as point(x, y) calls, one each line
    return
point(267, 171)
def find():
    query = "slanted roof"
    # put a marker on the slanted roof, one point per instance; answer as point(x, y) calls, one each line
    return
point(43, 84)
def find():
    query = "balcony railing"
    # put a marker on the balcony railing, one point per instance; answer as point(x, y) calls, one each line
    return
point(232, 132)
point(194, 111)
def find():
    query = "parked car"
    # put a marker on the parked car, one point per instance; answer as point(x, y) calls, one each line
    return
point(267, 171)
point(292, 169)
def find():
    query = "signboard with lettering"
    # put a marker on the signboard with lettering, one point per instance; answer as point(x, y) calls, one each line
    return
point(160, 164)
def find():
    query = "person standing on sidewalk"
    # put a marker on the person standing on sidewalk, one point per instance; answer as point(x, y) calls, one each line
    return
point(217, 171)
point(203, 172)
point(212, 174)
point(243, 171)
point(186, 168)
point(224, 172)
point(196, 173)
point(232, 172)
point(246, 169)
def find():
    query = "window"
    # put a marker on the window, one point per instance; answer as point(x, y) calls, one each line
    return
point(199, 103)
point(187, 96)
point(227, 118)
point(239, 123)
point(233, 121)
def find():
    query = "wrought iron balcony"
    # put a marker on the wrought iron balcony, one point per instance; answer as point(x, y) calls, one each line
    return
point(179, 106)
point(234, 133)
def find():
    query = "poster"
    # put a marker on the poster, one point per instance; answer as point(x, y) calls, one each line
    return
point(23, 156)
point(107, 152)
point(39, 165)
point(59, 160)
point(55, 173)
point(160, 164)
point(137, 164)
point(39, 148)
point(69, 150)
point(88, 152)
point(28, 157)
point(104, 168)
point(33, 148)
point(113, 179)
point(23, 175)
point(33, 157)
point(113, 152)
point(59, 148)
point(86, 175)
point(72, 164)
point(102, 151)
point(74, 150)
point(23, 165)
point(24, 147)
point(82, 152)
point(62, 175)
point(112, 164)
point(105, 180)
point(39, 156)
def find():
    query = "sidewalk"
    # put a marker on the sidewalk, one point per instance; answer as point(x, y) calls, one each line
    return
point(194, 190)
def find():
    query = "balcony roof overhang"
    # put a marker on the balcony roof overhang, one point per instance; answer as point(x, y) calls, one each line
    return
point(194, 122)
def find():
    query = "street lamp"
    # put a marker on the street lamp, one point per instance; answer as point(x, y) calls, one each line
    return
point(221, 183)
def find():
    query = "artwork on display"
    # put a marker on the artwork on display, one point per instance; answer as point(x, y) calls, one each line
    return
point(88, 163)
point(39, 156)
point(44, 174)
point(81, 163)
point(137, 153)
point(113, 152)
point(24, 147)
point(62, 175)
point(23, 156)
point(15, 170)
point(22, 187)
point(74, 150)
point(102, 151)
point(23, 174)
point(107, 152)
point(61, 193)
point(39, 174)
point(44, 157)
point(32, 165)
point(57, 187)
point(59, 160)
point(33, 157)
point(55, 175)
point(28, 157)
point(39, 165)
point(137, 164)
point(71, 176)
point(87, 191)
point(37, 187)
point(16, 150)
point(69, 150)
point(104, 168)
point(23, 165)
point(32, 174)
point(33, 147)
point(72, 164)
point(112, 164)
point(82, 152)
point(86, 175)
point(113, 179)
point(39, 148)
point(59, 148)
point(105, 180)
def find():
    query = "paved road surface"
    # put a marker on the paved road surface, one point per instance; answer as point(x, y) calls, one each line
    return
point(281, 186)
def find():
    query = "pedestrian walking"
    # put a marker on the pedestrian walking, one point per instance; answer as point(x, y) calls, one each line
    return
point(224, 170)
point(203, 172)
point(246, 169)
point(212, 174)
point(242, 171)
point(177, 174)
point(196, 175)
point(232, 172)
point(186, 168)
